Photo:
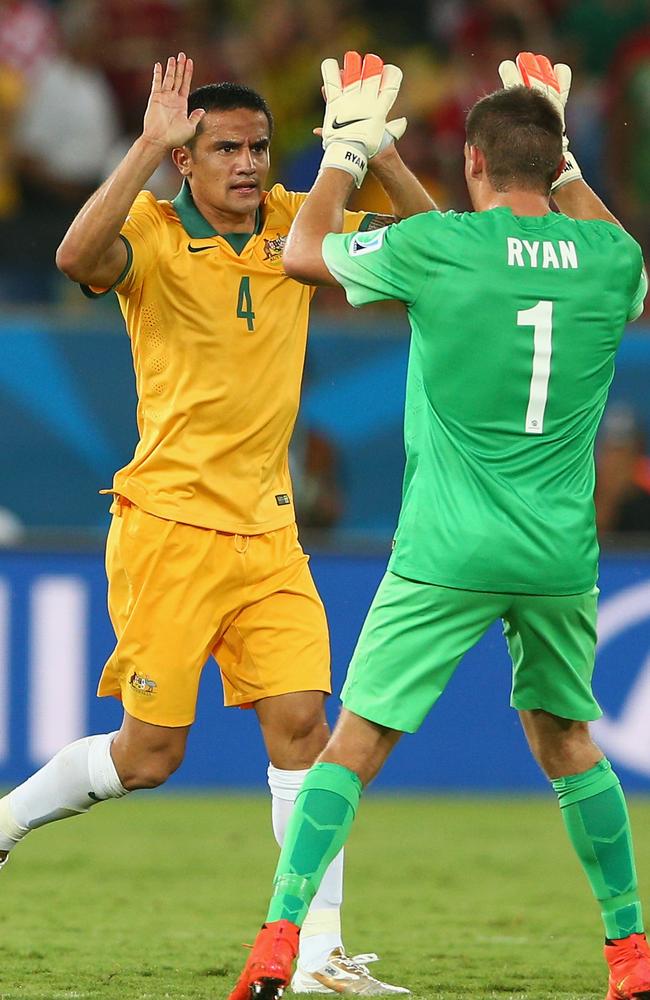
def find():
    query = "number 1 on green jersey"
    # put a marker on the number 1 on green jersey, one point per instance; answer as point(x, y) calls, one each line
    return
point(540, 317)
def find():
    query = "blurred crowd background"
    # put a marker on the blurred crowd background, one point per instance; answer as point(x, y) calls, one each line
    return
point(75, 76)
point(74, 81)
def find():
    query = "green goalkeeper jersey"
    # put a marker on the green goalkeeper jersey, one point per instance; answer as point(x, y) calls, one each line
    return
point(515, 324)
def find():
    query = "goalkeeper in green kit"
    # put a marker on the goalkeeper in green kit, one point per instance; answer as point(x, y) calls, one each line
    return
point(516, 314)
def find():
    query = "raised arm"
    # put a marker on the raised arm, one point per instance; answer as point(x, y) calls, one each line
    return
point(355, 132)
point(569, 191)
point(91, 251)
point(321, 213)
point(578, 201)
point(406, 194)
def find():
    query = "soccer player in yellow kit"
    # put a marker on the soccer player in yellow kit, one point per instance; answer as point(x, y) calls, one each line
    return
point(202, 555)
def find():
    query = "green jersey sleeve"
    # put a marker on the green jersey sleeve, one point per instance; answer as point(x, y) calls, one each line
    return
point(379, 264)
point(636, 306)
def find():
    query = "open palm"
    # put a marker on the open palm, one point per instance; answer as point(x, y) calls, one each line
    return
point(166, 120)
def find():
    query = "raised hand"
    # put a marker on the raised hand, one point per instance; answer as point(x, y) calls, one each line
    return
point(357, 101)
point(166, 121)
point(536, 72)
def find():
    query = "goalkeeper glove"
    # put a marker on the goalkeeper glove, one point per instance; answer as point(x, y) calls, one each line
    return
point(358, 100)
point(552, 81)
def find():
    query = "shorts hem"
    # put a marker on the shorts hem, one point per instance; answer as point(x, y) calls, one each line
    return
point(486, 586)
point(559, 711)
point(376, 717)
point(247, 701)
point(141, 717)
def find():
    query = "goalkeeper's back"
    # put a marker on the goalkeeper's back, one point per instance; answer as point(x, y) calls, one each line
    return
point(516, 313)
point(515, 322)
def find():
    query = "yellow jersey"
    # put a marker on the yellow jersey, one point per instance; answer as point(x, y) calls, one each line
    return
point(218, 334)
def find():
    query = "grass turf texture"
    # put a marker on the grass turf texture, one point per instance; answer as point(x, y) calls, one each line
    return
point(152, 897)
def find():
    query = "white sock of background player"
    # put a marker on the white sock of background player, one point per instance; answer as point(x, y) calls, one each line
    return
point(76, 778)
point(321, 931)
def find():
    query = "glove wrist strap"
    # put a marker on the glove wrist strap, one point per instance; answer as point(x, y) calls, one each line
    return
point(348, 156)
point(570, 172)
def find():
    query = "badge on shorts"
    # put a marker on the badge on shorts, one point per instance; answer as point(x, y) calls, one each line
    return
point(282, 499)
point(142, 684)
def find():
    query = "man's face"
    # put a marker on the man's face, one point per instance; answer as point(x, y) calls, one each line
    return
point(229, 162)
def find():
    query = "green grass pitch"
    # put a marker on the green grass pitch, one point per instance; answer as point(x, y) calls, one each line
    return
point(152, 898)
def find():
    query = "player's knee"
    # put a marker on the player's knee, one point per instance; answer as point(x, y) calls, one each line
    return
point(152, 770)
point(568, 752)
point(298, 743)
point(307, 723)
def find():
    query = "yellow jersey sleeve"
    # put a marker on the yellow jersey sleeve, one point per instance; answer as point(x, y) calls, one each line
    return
point(142, 235)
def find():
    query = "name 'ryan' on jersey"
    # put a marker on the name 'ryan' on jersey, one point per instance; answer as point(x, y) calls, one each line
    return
point(218, 334)
point(515, 324)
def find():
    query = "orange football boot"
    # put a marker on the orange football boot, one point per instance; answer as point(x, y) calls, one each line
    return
point(629, 968)
point(268, 969)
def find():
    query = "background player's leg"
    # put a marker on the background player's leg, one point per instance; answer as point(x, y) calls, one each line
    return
point(324, 811)
point(295, 731)
point(89, 771)
point(594, 813)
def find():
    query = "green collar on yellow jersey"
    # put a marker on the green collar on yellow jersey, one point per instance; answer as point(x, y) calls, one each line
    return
point(197, 226)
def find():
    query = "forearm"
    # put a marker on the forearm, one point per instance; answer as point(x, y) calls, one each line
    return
point(322, 213)
point(578, 201)
point(407, 195)
point(95, 229)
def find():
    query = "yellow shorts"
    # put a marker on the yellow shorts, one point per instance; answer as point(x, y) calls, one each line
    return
point(177, 594)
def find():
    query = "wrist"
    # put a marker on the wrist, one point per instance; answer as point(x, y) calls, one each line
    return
point(569, 172)
point(386, 161)
point(348, 156)
point(152, 147)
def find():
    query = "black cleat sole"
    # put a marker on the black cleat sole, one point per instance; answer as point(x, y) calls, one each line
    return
point(269, 989)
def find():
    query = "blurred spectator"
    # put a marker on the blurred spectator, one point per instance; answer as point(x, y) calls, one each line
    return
point(134, 35)
point(11, 95)
point(623, 474)
point(71, 129)
point(485, 35)
point(629, 134)
point(62, 138)
point(28, 36)
point(594, 28)
point(315, 478)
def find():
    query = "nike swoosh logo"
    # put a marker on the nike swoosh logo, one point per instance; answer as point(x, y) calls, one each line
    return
point(213, 246)
point(350, 121)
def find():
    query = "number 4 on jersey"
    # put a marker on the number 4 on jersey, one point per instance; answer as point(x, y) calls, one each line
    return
point(540, 317)
point(245, 302)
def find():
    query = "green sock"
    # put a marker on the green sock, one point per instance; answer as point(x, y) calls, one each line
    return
point(596, 818)
point(318, 827)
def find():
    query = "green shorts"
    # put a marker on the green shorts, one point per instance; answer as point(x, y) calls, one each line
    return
point(415, 635)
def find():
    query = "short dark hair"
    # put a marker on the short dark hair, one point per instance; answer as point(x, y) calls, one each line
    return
point(228, 97)
point(520, 134)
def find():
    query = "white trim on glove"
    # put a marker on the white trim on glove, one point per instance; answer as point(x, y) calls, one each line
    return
point(348, 156)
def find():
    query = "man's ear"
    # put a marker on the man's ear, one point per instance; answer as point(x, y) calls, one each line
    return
point(182, 158)
point(476, 161)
